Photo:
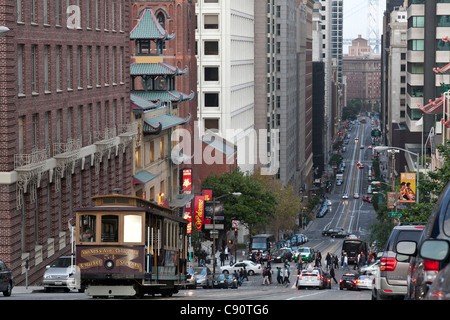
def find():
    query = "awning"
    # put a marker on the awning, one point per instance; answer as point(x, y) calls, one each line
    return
point(181, 200)
point(143, 177)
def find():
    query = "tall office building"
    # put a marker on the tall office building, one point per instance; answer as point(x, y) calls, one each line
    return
point(65, 126)
point(226, 64)
point(283, 87)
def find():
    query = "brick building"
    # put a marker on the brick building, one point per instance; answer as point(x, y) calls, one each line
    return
point(64, 111)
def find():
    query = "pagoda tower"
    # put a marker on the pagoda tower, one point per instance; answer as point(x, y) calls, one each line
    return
point(155, 104)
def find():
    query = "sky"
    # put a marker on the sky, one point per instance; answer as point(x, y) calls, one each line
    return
point(356, 19)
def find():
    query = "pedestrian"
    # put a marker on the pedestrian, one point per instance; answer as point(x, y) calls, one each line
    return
point(266, 276)
point(245, 274)
point(279, 275)
point(231, 259)
point(328, 260)
point(286, 276)
point(269, 259)
point(336, 262)
point(345, 262)
point(226, 252)
point(222, 258)
point(269, 274)
point(332, 274)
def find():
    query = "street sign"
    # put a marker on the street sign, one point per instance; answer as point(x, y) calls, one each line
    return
point(395, 214)
point(219, 226)
point(235, 223)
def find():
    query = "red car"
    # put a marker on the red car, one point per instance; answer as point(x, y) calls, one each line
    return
point(368, 199)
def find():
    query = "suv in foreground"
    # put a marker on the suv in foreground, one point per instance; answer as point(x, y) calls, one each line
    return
point(433, 251)
point(391, 281)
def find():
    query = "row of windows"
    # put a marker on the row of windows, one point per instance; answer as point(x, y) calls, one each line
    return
point(68, 61)
point(106, 14)
point(88, 119)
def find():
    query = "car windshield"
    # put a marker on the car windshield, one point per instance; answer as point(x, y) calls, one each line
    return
point(304, 250)
point(61, 263)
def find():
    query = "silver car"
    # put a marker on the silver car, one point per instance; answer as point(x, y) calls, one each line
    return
point(61, 274)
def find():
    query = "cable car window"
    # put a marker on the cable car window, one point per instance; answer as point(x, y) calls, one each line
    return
point(132, 228)
point(87, 228)
point(110, 228)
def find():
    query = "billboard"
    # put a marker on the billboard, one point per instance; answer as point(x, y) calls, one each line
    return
point(408, 187)
point(199, 211)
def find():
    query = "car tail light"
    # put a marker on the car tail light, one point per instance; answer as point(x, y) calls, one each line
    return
point(431, 269)
point(388, 264)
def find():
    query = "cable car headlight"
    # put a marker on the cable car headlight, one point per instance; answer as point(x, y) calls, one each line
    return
point(109, 264)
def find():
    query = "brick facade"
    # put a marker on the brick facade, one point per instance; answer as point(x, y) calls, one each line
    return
point(44, 102)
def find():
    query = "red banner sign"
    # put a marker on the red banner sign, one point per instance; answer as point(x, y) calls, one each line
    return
point(199, 212)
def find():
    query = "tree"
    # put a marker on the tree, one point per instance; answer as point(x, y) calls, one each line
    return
point(430, 188)
point(254, 206)
point(288, 203)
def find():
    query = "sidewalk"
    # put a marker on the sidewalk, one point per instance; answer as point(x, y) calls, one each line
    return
point(25, 290)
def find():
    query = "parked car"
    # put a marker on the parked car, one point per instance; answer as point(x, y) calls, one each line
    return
point(430, 258)
point(6, 279)
point(204, 277)
point(61, 274)
point(391, 281)
point(251, 267)
point(191, 280)
point(349, 281)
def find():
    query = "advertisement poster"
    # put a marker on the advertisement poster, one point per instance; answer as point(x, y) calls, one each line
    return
point(408, 187)
point(199, 210)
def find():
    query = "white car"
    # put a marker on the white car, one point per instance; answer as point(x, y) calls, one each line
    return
point(345, 196)
point(251, 267)
point(310, 278)
point(365, 282)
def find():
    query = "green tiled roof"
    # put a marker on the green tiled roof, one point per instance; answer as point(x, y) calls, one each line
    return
point(163, 122)
point(148, 27)
point(174, 96)
point(140, 104)
point(138, 69)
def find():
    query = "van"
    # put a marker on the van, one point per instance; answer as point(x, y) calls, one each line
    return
point(369, 189)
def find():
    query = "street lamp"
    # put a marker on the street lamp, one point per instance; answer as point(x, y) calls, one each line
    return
point(236, 194)
point(387, 148)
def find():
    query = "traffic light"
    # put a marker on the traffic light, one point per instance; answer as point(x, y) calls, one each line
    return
point(230, 241)
point(235, 232)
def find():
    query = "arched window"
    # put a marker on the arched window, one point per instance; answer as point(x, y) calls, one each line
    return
point(162, 19)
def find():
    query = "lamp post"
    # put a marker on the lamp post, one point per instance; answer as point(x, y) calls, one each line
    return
point(387, 148)
point(236, 194)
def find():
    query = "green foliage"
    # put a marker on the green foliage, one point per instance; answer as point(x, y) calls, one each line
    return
point(254, 206)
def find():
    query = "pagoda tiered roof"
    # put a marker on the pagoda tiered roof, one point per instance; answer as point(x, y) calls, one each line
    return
point(166, 121)
point(164, 96)
point(139, 69)
point(148, 27)
point(433, 106)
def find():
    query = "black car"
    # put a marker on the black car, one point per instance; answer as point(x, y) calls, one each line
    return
point(332, 231)
point(281, 255)
point(326, 280)
point(432, 253)
point(349, 281)
point(6, 279)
